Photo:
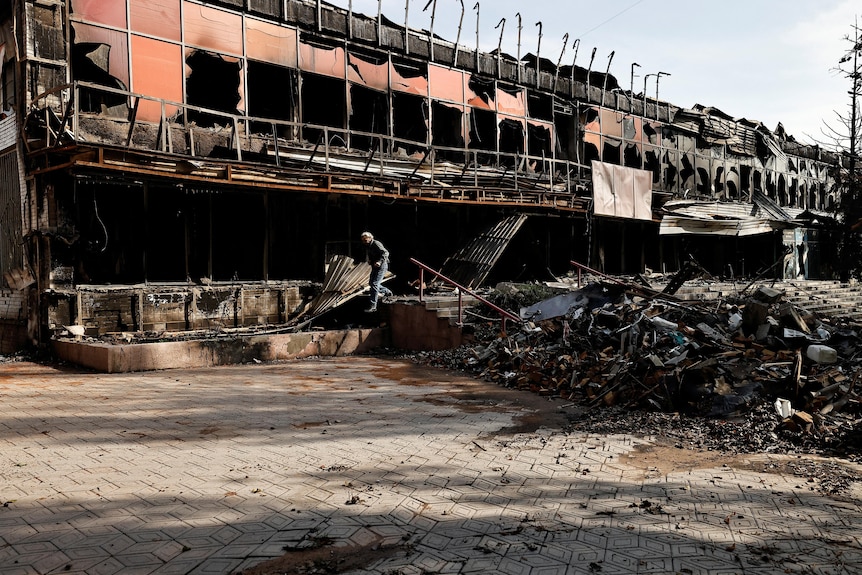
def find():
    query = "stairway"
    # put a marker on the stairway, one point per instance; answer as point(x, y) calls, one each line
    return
point(822, 297)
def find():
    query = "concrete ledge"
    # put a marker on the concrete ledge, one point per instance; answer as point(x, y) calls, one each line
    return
point(124, 358)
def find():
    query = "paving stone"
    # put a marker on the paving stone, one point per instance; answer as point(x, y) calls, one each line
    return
point(200, 471)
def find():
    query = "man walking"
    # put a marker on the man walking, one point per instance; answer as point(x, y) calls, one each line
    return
point(377, 256)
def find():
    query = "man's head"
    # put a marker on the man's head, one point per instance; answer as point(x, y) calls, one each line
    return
point(367, 237)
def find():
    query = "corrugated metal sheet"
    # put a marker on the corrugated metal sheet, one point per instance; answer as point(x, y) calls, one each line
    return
point(11, 192)
point(472, 264)
point(345, 279)
point(721, 218)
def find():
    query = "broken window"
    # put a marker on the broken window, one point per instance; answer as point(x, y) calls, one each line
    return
point(483, 130)
point(540, 106)
point(539, 140)
point(480, 92)
point(323, 103)
point(447, 130)
point(511, 140)
point(369, 113)
point(409, 77)
point(510, 100)
point(612, 151)
point(266, 102)
point(409, 121)
point(213, 82)
point(632, 156)
point(745, 179)
point(90, 64)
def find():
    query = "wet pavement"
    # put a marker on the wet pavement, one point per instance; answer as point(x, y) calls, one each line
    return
point(376, 466)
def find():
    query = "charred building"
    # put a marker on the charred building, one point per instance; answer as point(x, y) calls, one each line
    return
point(185, 164)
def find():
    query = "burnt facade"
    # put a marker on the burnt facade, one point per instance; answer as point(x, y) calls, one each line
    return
point(181, 164)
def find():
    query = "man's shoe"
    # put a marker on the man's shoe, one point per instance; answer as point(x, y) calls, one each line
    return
point(371, 309)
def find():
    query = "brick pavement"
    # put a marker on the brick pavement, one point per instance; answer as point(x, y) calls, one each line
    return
point(213, 471)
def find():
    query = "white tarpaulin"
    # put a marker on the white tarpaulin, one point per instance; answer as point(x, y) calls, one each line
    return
point(622, 192)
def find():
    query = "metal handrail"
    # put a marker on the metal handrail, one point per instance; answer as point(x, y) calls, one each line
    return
point(461, 291)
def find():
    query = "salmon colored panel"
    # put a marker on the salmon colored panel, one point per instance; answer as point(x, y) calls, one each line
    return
point(324, 61)
point(610, 123)
point(118, 58)
point(413, 85)
point(511, 104)
point(157, 69)
point(475, 99)
point(108, 12)
point(446, 84)
point(212, 29)
point(369, 74)
point(267, 42)
point(159, 18)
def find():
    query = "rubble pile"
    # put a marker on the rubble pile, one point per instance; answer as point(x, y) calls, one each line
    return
point(755, 358)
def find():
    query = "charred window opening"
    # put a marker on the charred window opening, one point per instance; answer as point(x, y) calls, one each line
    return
point(538, 140)
point(238, 254)
point(483, 131)
point(567, 134)
point(704, 185)
point(180, 245)
point(409, 120)
point(632, 156)
point(670, 174)
point(812, 197)
point(483, 88)
point(745, 179)
point(102, 245)
point(783, 197)
point(771, 188)
point(718, 181)
point(732, 179)
point(90, 62)
point(446, 130)
point(591, 152)
point(687, 170)
point(652, 163)
point(323, 102)
point(212, 83)
point(794, 191)
point(612, 151)
point(511, 140)
point(540, 106)
point(370, 114)
point(758, 181)
point(266, 102)
point(650, 135)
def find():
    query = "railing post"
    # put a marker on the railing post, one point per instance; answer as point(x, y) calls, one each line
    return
point(460, 307)
point(421, 285)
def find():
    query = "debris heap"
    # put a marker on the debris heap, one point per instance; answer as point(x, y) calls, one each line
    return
point(617, 345)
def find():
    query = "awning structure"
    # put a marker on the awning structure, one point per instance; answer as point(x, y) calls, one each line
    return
point(722, 218)
point(472, 264)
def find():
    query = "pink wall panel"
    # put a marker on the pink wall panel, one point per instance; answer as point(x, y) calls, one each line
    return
point(160, 18)
point(325, 61)
point(270, 43)
point(108, 12)
point(446, 84)
point(212, 29)
point(157, 69)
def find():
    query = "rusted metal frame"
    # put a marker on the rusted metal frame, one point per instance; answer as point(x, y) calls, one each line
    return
point(423, 268)
point(433, 4)
point(458, 36)
point(133, 118)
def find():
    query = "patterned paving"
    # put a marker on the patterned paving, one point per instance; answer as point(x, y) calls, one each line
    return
point(215, 471)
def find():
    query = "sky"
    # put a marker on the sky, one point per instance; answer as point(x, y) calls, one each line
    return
point(769, 61)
